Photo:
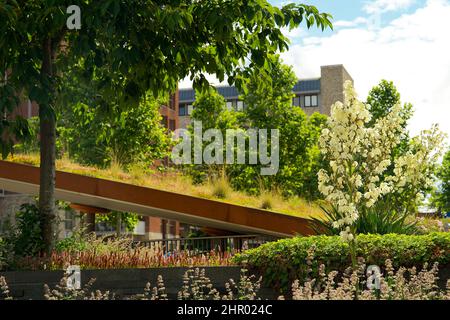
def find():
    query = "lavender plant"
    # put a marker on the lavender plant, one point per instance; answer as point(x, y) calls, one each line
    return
point(63, 292)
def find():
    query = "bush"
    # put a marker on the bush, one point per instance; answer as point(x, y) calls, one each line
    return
point(282, 262)
point(28, 237)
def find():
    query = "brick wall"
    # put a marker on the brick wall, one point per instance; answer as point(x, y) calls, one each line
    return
point(332, 86)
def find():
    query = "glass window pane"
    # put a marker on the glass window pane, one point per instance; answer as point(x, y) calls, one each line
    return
point(297, 101)
point(314, 101)
point(190, 108)
point(307, 101)
point(182, 110)
point(240, 106)
point(229, 105)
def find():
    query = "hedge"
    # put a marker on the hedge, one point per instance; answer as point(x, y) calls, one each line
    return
point(283, 261)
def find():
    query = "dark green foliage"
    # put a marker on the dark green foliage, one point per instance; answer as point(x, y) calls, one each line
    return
point(268, 101)
point(376, 220)
point(75, 243)
point(210, 109)
point(96, 131)
point(32, 144)
point(382, 98)
point(269, 106)
point(441, 196)
point(95, 136)
point(128, 220)
point(283, 261)
point(25, 236)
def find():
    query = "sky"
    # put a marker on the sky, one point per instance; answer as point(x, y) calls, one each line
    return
point(404, 41)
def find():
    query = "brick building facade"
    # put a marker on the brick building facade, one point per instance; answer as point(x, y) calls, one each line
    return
point(312, 95)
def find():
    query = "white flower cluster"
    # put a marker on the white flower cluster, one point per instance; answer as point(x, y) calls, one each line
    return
point(360, 155)
point(414, 170)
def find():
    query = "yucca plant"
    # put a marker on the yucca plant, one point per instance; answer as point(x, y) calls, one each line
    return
point(377, 220)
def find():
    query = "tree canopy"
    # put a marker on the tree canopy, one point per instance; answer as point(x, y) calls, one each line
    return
point(441, 196)
point(133, 47)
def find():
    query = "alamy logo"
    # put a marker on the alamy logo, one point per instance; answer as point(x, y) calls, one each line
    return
point(231, 150)
point(73, 22)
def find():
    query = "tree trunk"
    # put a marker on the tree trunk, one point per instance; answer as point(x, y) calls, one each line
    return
point(48, 153)
point(119, 224)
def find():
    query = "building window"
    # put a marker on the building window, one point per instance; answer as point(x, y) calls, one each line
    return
point(182, 110)
point(311, 101)
point(185, 109)
point(172, 125)
point(307, 101)
point(240, 106)
point(229, 105)
point(68, 220)
point(314, 101)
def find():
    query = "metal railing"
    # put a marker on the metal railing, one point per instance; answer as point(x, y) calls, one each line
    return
point(207, 244)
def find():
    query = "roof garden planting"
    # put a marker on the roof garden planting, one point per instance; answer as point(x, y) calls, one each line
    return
point(177, 182)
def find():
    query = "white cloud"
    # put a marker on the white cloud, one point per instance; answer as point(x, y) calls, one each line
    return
point(353, 23)
point(413, 51)
point(294, 34)
point(378, 6)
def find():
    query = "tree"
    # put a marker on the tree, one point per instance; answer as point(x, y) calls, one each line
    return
point(211, 111)
point(381, 101)
point(441, 196)
point(101, 136)
point(210, 108)
point(269, 106)
point(98, 131)
point(133, 46)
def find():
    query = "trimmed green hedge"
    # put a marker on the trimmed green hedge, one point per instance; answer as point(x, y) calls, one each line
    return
point(283, 261)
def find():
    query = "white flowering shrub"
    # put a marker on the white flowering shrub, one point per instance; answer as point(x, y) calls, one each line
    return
point(414, 170)
point(359, 157)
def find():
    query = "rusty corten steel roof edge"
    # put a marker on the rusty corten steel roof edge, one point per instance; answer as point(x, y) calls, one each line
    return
point(198, 208)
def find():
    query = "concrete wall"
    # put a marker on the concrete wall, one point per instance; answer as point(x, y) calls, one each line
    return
point(124, 282)
point(332, 86)
point(10, 205)
point(25, 285)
